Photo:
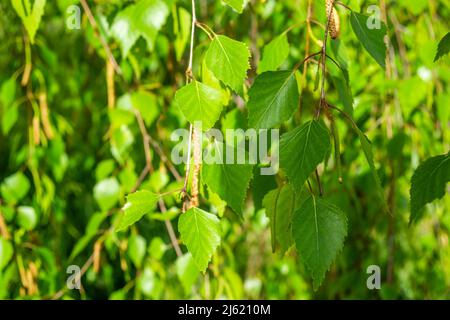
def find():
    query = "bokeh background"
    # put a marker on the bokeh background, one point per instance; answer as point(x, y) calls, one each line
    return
point(71, 150)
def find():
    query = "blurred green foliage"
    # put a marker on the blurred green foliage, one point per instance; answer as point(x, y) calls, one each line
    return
point(69, 157)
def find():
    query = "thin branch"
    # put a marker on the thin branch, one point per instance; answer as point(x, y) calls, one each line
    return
point(149, 169)
point(28, 63)
point(298, 65)
point(110, 84)
point(189, 77)
point(141, 179)
point(4, 228)
point(83, 270)
point(308, 39)
point(164, 158)
point(191, 47)
point(343, 5)
point(100, 37)
point(145, 140)
point(170, 231)
point(323, 60)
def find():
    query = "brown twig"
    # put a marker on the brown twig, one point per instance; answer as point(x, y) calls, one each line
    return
point(141, 179)
point(149, 169)
point(323, 61)
point(45, 118)
point(170, 231)
point(189, 77)
point(110, 84)
point(83, 270)
point(100, 37)
point(164, 158)
point(145, 140)
point(28, 63)
point(3, 228)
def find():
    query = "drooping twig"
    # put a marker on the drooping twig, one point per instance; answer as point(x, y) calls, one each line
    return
point(323, 61)
point(100, 37)
point(45, 118)
point(110, 84)
point(145, 140)
point(308, 39)
point(170, 231)
point(83, 270)
point(164, 158)
point(149, 169)
point(189, 78)
point(3, 228)
point(28, 63)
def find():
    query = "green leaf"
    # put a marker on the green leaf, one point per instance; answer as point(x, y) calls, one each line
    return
point(302, 149)
point(228, 60)
point(345, 93)
point(275, 53)
point(280, 206)
point(8, 92)
point(367, 149)
point(15, 187)
point(147, 105)
point(182, 30)
point(26, 217)
point(104, 169)
point(237, 5)
point(144, 18)
point(261, 186)
point(200, 232)
point(319, 229)
point(273, 99)
point(371, 39)
point(106, 193)
point(30, 19)
point(199, 102)
point(157, 248)
point(6, 253)
point(91, 231)
point(122, 140)
point(138, 204)
point(229, 181)
point(428, 183)
point(187, 272)
point(9, 118)
point(443, 47)
point(136, 249)
point(148, 283)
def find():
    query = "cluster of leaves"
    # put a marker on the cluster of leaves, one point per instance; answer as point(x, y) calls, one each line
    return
point(77, 187)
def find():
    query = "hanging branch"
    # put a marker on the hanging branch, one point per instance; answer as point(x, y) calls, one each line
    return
point(193, 132)
point(100, 37)
point(110, 84)
point(324, 57)
point(28, 63)
point(149, 169)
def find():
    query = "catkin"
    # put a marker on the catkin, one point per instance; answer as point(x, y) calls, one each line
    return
point(334, 25)
point(197, 165)
point(45, 116)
